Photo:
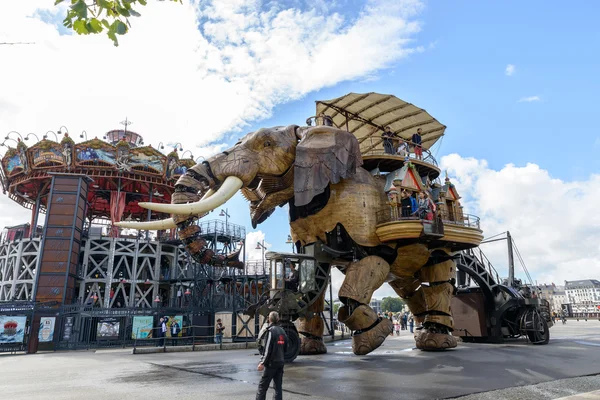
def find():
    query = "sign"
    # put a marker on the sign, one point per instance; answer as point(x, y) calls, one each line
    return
point(46, 332)
point(108, 328)
point(142, 327)
point(12, 329)
point(68, 328)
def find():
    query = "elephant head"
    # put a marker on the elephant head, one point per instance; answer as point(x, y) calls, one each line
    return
point(270, 167)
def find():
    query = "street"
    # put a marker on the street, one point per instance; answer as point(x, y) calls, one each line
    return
point(395, 370)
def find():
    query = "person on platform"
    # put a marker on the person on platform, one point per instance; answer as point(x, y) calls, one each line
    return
point(291, 282)
point(416, 141)
point(403, 150)
point(388, 140)
point(426, 208)
point(219, 335)
point(272, 361)
point(326, 119)
point(406, 204)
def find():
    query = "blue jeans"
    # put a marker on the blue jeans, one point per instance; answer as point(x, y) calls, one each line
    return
point(219, 338)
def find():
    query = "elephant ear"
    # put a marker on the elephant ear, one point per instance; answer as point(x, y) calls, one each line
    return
point(324, 155)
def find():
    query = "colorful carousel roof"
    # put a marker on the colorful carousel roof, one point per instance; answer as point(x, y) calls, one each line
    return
point(142, 173)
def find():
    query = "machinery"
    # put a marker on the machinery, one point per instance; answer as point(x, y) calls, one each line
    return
point(291, 300)
point(493, 310)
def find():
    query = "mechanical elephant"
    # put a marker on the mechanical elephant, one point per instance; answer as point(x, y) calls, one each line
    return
point(333, 201)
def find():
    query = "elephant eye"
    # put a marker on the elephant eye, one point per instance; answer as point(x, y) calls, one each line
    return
point(267, 143)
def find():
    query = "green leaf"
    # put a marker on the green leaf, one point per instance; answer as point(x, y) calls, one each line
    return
point(105, 3)
point(80, 26)
point(80, 8)
point(134, 13)
point(57, 2)
point(142, 2)
point(95, 26)
point(123, 11)
point(105, 23)
point(118, 27)
point(113, 37)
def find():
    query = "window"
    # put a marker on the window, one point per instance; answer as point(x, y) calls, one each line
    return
point(307, 276)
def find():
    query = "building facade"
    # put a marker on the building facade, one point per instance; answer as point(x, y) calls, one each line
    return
point(584, 297)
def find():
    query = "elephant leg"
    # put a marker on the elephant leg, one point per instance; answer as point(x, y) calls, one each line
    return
point(362, 279)
point(437, 295)
point(311, 329)
point(409, 260)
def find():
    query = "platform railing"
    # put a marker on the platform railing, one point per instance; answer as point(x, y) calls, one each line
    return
point(374, 146)
point(392, 213)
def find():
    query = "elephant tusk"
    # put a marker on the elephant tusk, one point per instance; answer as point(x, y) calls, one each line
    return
point(229, 187)
point(159, 225)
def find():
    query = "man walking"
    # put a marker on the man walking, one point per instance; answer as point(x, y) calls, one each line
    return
point(272, 360)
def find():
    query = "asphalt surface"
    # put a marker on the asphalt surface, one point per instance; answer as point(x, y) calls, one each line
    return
point(515, 370)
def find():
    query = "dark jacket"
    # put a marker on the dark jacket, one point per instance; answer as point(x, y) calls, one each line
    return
point(275, 345)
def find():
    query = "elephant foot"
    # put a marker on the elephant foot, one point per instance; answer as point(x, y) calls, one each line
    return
point(435, 339)
point(312, 346)
point(364, 342)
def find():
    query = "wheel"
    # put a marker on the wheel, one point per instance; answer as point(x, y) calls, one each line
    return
point(540, 333)
point(293, 345)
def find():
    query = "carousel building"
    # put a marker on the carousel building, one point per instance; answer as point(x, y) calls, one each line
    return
point(77, 258)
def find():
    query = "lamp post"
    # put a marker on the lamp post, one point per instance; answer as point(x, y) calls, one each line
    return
point(180, 146)
point(82, 134)
point(8, 135)
point(27, 137)
point(226, 215)
point(291, 241)
point(60, 132)
point(52, 132)
point(261, 245)
point(160, 146)
point(187, 151)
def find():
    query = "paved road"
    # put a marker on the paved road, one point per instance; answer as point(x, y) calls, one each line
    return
point(394, 371)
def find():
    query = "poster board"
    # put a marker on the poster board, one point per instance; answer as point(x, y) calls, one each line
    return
point(108, 328)
point(12, 328)
point(142, 327)
point(46, 330)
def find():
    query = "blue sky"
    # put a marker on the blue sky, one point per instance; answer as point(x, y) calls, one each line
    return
point(516, 84)
point(460, 79)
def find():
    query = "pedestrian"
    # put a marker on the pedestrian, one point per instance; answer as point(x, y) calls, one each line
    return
point(175, 329)
point(405, 320)
point(406, 204)
point(416, 141)
point(411, 322)
point(162, 332)
point(388, 140)
point(271, 363)
point(219, 335)
point(397, 326)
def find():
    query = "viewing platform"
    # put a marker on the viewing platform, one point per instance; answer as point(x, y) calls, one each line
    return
point(459, 233)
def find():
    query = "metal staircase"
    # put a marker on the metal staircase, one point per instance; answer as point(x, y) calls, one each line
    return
point(477, 266)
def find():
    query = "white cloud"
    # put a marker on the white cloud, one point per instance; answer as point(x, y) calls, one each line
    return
point(510, 70)
point(189, 73)
point(529, 99)
point(252, 238)
point(553, 222)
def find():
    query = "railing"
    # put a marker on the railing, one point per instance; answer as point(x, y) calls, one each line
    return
point(483, 260)
point(391, 213)
point(374, 147)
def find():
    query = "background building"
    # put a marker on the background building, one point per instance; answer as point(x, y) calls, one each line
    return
point(584, 296)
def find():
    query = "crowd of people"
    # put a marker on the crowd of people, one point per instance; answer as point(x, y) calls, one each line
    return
point(394, 144)
point(402, 321)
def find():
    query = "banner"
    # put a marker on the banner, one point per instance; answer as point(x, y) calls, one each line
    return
point(142, 327)
point(68, 328)
point(108, 328)
point(46, 332)
point(172, 319)
point(12, 329)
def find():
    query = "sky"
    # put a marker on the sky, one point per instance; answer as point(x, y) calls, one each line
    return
point(515, 82)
